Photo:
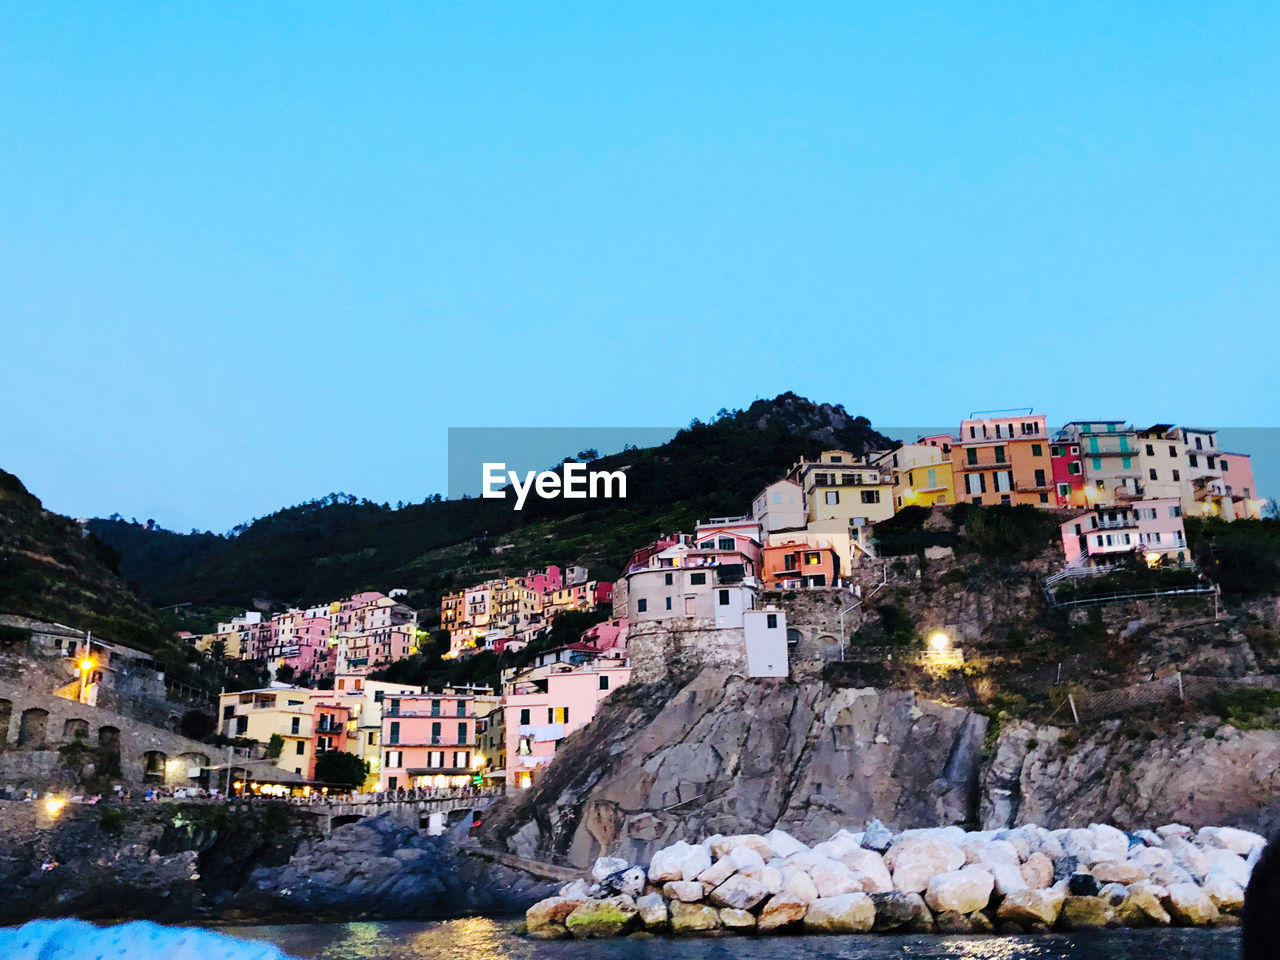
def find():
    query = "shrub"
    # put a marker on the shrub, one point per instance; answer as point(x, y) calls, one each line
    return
point(111, 821)
point(341, 769)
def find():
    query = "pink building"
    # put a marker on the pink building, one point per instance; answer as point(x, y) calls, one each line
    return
point(428, 740)
point(1160, 529)
point(547, 703)
point(1100, 536)
point(1152, 528)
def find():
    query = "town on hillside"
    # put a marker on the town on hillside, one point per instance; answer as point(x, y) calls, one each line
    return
point(727, 588)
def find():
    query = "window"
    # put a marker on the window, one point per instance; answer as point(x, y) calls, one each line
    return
point(1193, 460)
point(697, 579)
point(932, 480)
point(294, 724)
point(604, 681)
point(771, 621)
point(1064, 489)
point(393, 758)
point(999, 454)
point(378, 695)
point(435, 759)
point(301, 747)
point(462, 733)
point(524, 717)
point(435, 733)
point(642, 605)
point(1073, 467)
point(1040, 481)
point(1199, 445)
point(789, 562)
point(1055, 451)
point(973, 455)
point(812, 559)
point(707, 545)
point(1037, 450)
point(557, 714)
point(831, 497)
point(776, 498)
point(462, 708)
point(435, 708)
point(724, 598)
point(1208, 462)
point(1177, 475)
point(1097, 463)
point(242, 724)
point(1127, 463)
point(1222, 463)
point(1044, 498)
point(668, 603)
point(870, 496)
point(1175, 512)
point(371, 739)
point(666, 578)
point(726, 543)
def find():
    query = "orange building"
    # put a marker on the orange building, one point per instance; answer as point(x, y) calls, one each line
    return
point(329, 730)
point(792, 565)
point(1003, 457)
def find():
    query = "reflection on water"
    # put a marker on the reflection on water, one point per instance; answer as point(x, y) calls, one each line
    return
point(480, 938)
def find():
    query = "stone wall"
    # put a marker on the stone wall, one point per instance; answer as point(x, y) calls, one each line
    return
point(34, 723)
point(657, 647)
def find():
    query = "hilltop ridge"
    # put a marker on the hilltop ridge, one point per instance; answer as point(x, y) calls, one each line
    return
point(340, 544)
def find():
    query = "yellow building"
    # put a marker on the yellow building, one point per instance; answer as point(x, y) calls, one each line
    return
point(286, 711)
point(921, 473)
point(839, 486)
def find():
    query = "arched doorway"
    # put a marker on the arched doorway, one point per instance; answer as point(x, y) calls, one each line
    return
point(6, 715)
point(75, 729)
point(153, 764)
point(33, 727)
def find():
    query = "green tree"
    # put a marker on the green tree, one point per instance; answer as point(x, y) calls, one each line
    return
point(342, 769)
point(275, 746)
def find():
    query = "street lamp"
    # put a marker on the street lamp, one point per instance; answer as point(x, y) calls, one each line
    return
point(939, 642)
point(86, 666)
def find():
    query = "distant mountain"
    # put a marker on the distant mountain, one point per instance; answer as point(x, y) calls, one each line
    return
point(337, 545)
point(50, 569)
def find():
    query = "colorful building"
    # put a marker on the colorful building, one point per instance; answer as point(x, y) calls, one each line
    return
point(1002, 457)
point(921, 473)
point(779, 506)
point(1110, 452)
point(549, 702)
point(428, 740)
point(795, 564)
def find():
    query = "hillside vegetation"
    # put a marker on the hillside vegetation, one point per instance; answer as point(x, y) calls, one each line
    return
point(338, 544)
point(50, 570)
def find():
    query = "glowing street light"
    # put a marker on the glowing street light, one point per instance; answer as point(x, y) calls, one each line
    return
point(86, 668)
point(53, 805)
point(939, 642)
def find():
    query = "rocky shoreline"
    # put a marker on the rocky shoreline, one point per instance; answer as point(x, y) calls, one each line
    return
point(932, 880)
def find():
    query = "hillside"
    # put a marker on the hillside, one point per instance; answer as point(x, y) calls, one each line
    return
point(50, 570)
point(339, 544)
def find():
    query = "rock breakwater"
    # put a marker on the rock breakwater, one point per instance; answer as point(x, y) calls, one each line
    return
point(936, 879)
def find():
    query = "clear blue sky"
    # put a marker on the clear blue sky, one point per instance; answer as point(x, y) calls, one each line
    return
point(250, 254)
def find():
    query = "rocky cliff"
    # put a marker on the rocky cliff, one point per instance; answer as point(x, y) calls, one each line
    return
point(722, 754)
point(1130, 774)
point(176, 862)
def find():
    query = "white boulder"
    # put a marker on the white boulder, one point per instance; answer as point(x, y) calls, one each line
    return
point(847, 913)
point(783, 844)
point(680, 861)
point(1225, 893)
point(869, 869)
point(914, 860)
point(741, 892)
point(960, 891)
point(831, 878)
point(607, 867)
